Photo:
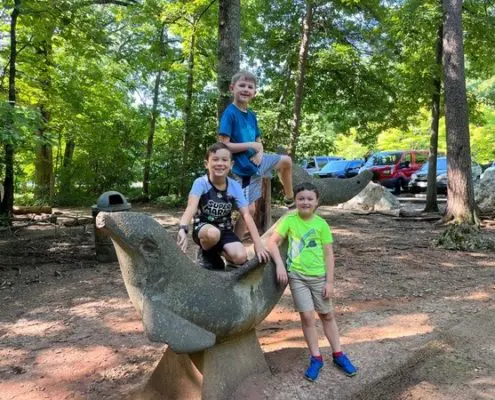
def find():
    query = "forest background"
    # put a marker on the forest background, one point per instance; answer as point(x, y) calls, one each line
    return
point(113, 93)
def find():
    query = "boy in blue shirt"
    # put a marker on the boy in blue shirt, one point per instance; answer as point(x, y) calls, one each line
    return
point(310, 264)
point(239, 131)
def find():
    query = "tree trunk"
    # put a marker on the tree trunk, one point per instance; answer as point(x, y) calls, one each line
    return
point(229, 36)
point(44, 182)
point(188, 113)
point(431, 191)
point(7, 203)
point(460, 202)
point(66, 173)
point(301, 71)
point(153, 119)
point(283, 97)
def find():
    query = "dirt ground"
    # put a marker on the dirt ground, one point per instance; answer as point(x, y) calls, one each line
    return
point(418, 321)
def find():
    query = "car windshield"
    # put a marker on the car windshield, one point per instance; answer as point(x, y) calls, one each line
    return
point(384, 158)
point(441, 166)
point(321, 161)
point(334, 166)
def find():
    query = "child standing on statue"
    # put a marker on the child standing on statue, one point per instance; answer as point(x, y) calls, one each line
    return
point(310, 265)
point(239, 131)
point(211, 200)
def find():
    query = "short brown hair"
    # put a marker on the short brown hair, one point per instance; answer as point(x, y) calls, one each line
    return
point(246, 75)
point(215, 147)
point(307, 186)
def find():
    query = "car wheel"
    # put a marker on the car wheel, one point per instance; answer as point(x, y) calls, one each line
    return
point(397, 187)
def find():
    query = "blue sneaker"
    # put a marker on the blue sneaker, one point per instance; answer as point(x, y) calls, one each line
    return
point(345, 365)
point(314, 369)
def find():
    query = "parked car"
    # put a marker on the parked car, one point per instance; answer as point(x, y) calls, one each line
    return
point(393, 169)
point(315, 163)
point(419, 180)
point(340, 169)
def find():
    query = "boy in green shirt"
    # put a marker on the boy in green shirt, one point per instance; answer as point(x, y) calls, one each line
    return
point(310, 265)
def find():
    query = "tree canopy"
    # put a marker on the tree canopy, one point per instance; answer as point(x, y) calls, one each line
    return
point(94, 78)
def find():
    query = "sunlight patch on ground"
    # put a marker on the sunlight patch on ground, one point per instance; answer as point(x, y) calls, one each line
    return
point(474, 296)
point(390, 328)
point(122, 324)
point(34, 327)
point(79, 362)
point(289, 338)
point(87, 307)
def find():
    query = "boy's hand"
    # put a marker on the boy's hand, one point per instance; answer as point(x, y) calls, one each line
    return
point(256, 146)
point(256, 159)
point(328, 290)
point(261, 253)
point(182, 240)
point(282, 277)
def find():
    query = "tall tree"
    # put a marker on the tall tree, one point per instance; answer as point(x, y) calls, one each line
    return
point(307, 26)
point(431, 192)
point(7, 204)
point(229, 36)
point(153, 117)
point(460, 202)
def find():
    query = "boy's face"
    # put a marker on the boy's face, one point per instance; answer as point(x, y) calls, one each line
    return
point(243, 91)
point(306, 203)
point(219, 163)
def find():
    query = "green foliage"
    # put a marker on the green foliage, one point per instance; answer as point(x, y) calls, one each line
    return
point(92, 70)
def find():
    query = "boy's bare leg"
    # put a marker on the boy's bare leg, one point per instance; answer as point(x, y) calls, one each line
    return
point(308, 324)
point(235, 252)
point(284, 170)
point(209, 236)
point(331, 331)
point(240, 225)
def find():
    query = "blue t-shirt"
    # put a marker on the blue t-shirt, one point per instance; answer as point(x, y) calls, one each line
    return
point(215, 206)
point(240, 127)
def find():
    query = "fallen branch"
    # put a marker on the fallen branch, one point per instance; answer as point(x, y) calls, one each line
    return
point(23, 210)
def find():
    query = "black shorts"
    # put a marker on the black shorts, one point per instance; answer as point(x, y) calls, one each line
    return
point(226, 236)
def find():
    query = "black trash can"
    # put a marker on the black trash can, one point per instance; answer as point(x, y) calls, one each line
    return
point(109, 202)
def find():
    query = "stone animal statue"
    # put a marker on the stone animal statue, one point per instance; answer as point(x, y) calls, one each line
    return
point(198, 311)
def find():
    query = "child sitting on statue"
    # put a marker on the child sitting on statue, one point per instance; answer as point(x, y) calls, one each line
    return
point(211, 201)
point(239, 131)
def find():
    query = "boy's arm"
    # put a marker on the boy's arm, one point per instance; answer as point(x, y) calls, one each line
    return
point(238, 147)
point(330, 266)
point(273, 244)
point(262, 254)
point(192, 207)
point(256, 159)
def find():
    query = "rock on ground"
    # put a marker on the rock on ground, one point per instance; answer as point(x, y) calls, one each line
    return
point(374, 197)
point(484, 192)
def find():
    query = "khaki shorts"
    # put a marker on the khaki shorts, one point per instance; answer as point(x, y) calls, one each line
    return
point(307, 292)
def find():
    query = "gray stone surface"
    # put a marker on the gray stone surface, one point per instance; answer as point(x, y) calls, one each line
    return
point(333, 191)
point(374, 198)
point(484, 192)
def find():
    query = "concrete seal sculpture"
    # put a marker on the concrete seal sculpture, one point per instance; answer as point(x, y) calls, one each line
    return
point(207, 318)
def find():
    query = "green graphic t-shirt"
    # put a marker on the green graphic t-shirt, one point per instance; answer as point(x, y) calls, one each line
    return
point(306, 240)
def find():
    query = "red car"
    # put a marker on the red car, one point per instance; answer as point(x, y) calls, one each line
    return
point(393, 169)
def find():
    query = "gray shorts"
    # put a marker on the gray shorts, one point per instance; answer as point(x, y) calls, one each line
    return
point(252, 185)
point(307, 292)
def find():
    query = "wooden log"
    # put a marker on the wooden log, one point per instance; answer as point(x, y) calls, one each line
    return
point(263, 214)
point(22, 210)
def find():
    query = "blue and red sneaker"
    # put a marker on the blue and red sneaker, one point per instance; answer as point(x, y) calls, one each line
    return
point(315, 364)
point(345, 365)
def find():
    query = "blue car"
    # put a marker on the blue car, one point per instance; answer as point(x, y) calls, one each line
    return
point(340, 169)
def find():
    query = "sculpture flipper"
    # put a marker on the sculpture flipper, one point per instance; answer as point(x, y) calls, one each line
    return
point(164, 326)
